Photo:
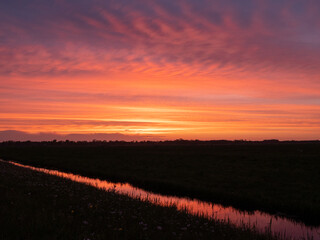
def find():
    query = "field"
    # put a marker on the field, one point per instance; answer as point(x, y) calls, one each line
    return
point(277, 177)
point(34, 205)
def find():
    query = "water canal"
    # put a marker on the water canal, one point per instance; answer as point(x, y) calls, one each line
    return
point(261, 221)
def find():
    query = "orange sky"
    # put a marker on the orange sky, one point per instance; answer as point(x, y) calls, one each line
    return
point(163, 70)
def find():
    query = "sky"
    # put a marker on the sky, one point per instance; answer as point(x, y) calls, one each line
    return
point(161, 69)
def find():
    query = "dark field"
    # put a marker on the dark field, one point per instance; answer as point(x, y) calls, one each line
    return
point(277, 177)
point(34, 205)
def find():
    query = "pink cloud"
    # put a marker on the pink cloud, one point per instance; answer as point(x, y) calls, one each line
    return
point(90, 60)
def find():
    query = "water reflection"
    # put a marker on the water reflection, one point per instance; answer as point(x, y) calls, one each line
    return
point(261, 221)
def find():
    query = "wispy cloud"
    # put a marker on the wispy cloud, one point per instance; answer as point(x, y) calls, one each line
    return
point(211, 36)
point(92, 59)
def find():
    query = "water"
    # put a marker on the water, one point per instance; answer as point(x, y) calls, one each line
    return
point(261, 221)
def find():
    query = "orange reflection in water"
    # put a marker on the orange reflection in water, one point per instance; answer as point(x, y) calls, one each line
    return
point(261, 221)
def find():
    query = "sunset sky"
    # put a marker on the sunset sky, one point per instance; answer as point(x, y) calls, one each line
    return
point(161, 69)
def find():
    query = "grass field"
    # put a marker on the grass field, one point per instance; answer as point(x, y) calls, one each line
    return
point(34, 205)
point(278, 177)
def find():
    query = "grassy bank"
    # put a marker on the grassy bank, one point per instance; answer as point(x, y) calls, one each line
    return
point(275, 177)
point(38, 206)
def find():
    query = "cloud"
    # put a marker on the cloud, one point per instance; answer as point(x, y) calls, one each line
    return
point(12, 135)
point(208, 36)
point(238, 62)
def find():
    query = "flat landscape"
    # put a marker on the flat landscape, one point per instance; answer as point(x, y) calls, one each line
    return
point(277, 177)
point(35, 205)
point(163, 119)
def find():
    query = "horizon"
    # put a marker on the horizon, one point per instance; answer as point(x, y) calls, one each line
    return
point(20, 136)
point(160, 70)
